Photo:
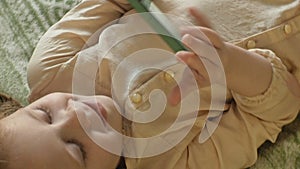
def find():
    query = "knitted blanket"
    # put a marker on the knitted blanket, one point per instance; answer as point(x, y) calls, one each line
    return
point(23, 22)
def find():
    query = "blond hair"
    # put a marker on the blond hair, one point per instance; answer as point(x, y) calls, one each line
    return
point(8, 105)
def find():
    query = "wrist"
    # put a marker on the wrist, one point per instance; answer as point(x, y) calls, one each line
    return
point(226, 58)
point(247, 73)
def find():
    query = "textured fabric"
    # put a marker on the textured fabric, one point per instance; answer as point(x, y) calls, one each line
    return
point(236, 19)
point(22, 24)
point(248, 122)
point(18, 26)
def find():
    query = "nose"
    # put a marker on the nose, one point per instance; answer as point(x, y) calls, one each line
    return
point(68, 124)
point(83, 117)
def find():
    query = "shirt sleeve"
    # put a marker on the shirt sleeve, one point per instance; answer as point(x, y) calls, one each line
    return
point(277, 105)
point(51, 66)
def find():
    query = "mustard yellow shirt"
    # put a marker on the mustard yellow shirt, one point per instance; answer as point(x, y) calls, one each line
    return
point(246, 123)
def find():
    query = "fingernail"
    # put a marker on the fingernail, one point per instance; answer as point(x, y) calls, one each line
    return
point(180, 56)
point(187, 39)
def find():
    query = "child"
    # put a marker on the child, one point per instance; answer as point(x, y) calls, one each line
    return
point(47, 133)
point(252, 114)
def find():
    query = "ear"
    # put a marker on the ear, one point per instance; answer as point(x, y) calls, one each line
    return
point(200, 17)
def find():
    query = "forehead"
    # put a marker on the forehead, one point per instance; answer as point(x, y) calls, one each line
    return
point(54, 97)
point(5, 139)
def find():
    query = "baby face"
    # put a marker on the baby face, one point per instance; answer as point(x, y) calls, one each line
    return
point(48, 134)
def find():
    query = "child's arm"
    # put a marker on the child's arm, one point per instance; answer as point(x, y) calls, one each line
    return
point(247, 72)
point(51, 66)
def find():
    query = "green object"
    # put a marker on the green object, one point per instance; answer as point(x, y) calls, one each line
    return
point(23, 22)
point(156, 19)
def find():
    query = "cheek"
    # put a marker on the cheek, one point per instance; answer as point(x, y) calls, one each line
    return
point(106, 145)
point(115, 121)
point(102, 159)
point(114, 118)
point(38, 148)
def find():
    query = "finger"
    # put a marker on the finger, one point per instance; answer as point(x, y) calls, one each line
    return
point(186, 85)
point(175, 96)
point(204, 22)
point(209, 56)
point(201, 81)
point(197, 67)
point(202, 49)
point(200, 18)
point(194, 62)
point(207, 35)
point(198, 46)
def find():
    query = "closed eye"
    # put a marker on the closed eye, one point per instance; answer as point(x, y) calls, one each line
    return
point(47, 116)
point(79, 146)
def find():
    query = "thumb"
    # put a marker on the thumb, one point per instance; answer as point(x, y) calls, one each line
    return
point(200, 17)
point(186, 85)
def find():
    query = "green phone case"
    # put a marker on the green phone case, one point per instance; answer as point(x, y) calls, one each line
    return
point(143, 6)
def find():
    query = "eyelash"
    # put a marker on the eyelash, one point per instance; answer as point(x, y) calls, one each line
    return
point(81, 147)
point(73, 141)
point(47, 112)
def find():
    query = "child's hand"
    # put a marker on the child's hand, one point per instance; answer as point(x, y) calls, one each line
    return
point(210, 59)
point(206, 57)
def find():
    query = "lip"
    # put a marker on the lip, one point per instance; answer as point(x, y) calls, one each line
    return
point(97, 107)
